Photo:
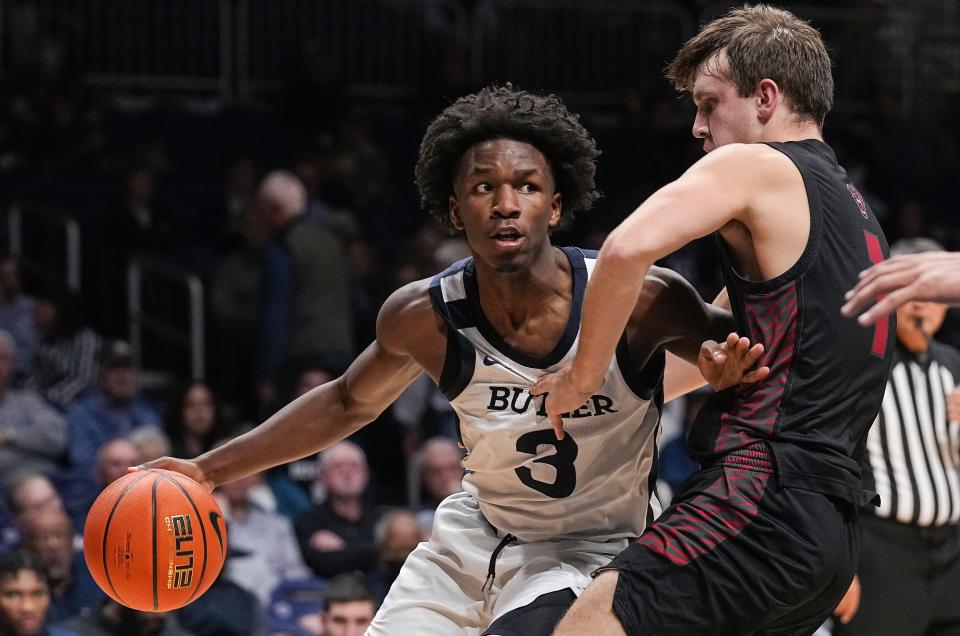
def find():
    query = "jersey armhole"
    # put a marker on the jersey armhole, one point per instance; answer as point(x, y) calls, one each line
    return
point(458, 365)
point(459, 357)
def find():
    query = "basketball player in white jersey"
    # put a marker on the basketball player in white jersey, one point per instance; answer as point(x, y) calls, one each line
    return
point(538, 514)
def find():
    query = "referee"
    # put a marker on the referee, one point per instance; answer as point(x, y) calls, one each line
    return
point(910, 565)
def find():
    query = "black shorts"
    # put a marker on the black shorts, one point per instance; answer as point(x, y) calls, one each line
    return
point(737, 554)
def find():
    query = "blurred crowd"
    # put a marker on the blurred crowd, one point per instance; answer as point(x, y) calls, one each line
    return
point(300, 217)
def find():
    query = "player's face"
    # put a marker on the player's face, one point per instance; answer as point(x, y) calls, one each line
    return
point(505, 201)
point(723, 117)
point(348, 619)
point(24, 599)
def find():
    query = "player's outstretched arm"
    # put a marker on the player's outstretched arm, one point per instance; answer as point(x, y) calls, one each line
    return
point(714, 191)
point(333, 411)
point(933, 276)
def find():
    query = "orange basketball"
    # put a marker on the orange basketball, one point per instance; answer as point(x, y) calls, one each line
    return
point(154, 540)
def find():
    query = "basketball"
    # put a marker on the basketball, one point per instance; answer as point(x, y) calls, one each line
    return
point(154, 540)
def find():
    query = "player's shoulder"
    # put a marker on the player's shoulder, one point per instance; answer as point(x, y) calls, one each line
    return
point(759, 159)
point(666, 280)
point(407, 313)
point(665, 290)
point(410, 301)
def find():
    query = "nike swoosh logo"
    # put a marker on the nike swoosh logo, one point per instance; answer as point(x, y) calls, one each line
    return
point(214, 516)
point(489, 362)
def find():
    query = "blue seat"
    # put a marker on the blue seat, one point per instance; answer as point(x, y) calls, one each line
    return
point(291, 600)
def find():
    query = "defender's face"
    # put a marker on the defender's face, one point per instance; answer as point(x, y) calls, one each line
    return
point(505, 202)
point(723, 117)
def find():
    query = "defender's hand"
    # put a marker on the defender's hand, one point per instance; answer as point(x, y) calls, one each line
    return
point(183, 466)
point(930, 276)
point(563, 396)
point(726, 364)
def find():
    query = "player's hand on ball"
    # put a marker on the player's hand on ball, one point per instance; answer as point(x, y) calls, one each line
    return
point(731, 362)
point(183, 466)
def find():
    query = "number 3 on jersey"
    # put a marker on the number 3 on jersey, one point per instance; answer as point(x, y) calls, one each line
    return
point(562, 461)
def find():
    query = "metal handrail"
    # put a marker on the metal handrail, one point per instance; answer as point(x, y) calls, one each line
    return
point(73, 250)
point(194, 340)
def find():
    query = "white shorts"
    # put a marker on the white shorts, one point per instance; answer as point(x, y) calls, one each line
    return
point(441, 588)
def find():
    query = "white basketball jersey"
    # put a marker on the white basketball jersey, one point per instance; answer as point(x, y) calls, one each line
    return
point(599, 481)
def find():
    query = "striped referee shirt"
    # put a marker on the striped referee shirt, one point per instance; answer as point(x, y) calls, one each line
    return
point(912, 457)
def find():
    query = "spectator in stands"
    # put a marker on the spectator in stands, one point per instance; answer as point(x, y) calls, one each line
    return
point(29, 492)
point(194, 423)
point(349, 607)
point(441, 475)
point(112, 409)
point(396, 534)
point(9, 530)
point(225, 609)
point(137, 225)
point(324, 203)
point(337, 535)
point(423, 411)
point(265, 539)
point(110, 618)
point(292, 483)
point(305, 303)
point(312, 373)
point(33, 435)
point(113, 459)
point(17, 311)
point(141, 225)
point(64, 362)
point(26, 492)
point(235, 290)
point(239, 191)
point(49, 534)
point(25, 597)
point(150, 442)
point(42, 95)
point(220, 226)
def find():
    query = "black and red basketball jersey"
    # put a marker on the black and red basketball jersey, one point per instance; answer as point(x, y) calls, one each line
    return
point(827, 373)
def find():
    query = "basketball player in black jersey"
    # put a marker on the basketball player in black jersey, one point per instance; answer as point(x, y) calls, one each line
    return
point(764, 537)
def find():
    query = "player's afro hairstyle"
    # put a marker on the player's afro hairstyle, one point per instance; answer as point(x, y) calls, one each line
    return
point(503, 112)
